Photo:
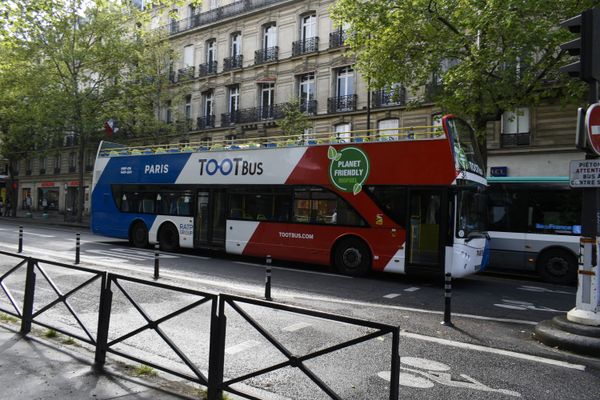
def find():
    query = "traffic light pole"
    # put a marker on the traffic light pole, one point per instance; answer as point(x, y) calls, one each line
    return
point(587, 307)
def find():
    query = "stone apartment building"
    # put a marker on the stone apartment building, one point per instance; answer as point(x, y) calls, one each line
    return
point(240, 61)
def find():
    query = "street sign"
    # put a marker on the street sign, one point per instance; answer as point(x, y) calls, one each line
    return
point(592, 123)
point(584, 173)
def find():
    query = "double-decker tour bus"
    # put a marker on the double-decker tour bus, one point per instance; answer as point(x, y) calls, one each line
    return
point(400, 200)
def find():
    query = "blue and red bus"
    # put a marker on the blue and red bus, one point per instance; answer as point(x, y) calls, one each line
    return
point(398, 200)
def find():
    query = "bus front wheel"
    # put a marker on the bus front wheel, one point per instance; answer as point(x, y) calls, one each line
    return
point(168, 237)
point(558, 266)
point(352, 257)
point(139, 235)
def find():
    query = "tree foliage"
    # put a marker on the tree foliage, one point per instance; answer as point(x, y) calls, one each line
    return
point(490, 56)
point(68, 66)
point(294, 121)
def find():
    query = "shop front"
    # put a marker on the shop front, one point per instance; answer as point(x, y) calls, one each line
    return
point(48, 194)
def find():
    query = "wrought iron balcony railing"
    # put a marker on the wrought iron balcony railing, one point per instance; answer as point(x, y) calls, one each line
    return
point(217, 14)
point(337, 39)
point(515, 139)
point(185, 73)
point(309, 107)
point(305, 46)
point(342, 103)
point(230, 118)
point(393, 97)
point(231, 63)
point(209, 68)
point(266, 55)
point(208, 121)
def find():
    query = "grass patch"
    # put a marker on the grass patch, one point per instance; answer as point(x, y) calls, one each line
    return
point(50, 333)
point(144, 370)
point(8, 318)
point(69, 341)
point(203, 395)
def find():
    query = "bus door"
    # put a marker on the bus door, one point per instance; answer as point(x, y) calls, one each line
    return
point(210, 218)
point(425, 227)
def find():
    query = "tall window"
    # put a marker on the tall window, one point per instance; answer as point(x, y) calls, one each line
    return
point(168, 113)
point(516, 121)
point(188, 56)
point(57, 163)
point(72, 161)
point(234, 98)
point(342, 133)
point(211, 51)
point(191, 10)
point(388, 129)
point(345, 82)
point(208, 103)
point(188, 107)
point(267, 94)
point(236, 44)
point(308, 29)
point(269, 36)
point(306, 90)
point(214, 4)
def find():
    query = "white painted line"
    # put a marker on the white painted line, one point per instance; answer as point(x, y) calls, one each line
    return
point(302, 271)
point(419, 310)
point(412, 289)
point(391, 295)
point(296, 327)
point(242, 347)
point(248, 263)
point(492, 350)
point(36, 234)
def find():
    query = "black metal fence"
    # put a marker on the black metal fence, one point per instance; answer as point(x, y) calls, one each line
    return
point(29, 272)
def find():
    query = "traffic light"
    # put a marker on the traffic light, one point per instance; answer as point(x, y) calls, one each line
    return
point(587, 46)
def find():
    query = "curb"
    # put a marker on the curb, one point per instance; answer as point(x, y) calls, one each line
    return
point(40, 221)
point(565, 335)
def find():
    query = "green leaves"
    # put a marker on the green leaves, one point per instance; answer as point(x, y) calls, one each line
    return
point(332, 153)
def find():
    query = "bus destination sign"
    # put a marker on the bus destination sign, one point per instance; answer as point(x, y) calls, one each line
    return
point(584, 173)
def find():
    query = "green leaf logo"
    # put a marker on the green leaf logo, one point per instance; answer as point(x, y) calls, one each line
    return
point(332, 153)
point(348, 169)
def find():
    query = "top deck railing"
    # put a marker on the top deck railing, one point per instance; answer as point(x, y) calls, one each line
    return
point(404, 134)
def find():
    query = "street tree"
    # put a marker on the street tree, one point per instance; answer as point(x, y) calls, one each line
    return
point(294, 121)
point(476, 58)
point(95, 61)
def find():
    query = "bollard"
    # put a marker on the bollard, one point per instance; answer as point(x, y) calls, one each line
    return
point(268, 279)
point(156, 258)
point(447, 300)
point(77, 247)
point(20, 239)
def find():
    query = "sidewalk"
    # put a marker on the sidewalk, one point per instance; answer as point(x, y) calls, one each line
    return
point(48, 218)
point(32, 368)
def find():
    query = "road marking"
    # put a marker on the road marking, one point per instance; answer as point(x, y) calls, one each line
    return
point(492, 350)
point(524, 306)
point(36, 234)
point(302, 271)
point(296, 327)
point(411, 309)
point(391, 295)
point(538, 289)
point(248, 263)
point(412, 289)
point(242, 347)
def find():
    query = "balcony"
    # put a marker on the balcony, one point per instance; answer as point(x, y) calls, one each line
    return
point(207, 69)
point(266, 55)
point(89, 168)
point(72, 168)
point(337, 39)
point(215, 15)
point(515, 139)
point(230, 118)
point(208, 121)
point(172, 77)
point(185, 73)
point(42, 171)
point(342, 104)
point(56, 170)
point(305, 46)
point(231, 63)
point(393, 97)
point(28, 172)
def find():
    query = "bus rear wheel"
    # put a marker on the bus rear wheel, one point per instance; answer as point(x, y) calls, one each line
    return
point(352, 257)
point(168, 238)
point(139, 235)
point(558, 266)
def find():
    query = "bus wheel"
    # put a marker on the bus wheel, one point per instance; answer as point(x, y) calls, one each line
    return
point(139, 235)
point(352, 257)
point(557, 266)
point(168, 238)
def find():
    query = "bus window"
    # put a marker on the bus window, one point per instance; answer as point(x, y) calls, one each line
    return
point(318, 206)
point(392, 200)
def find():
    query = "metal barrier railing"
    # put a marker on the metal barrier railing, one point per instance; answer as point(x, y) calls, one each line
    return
point(215, 381)
point(294, 360)
point(107, 346)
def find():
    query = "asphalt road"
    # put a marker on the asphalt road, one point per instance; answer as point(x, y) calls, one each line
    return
point(488, 354)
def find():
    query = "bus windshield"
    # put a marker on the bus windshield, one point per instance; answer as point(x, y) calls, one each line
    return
point(466, 149)
point(471, 212)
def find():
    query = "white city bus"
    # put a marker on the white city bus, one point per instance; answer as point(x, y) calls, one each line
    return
point(534, 225)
